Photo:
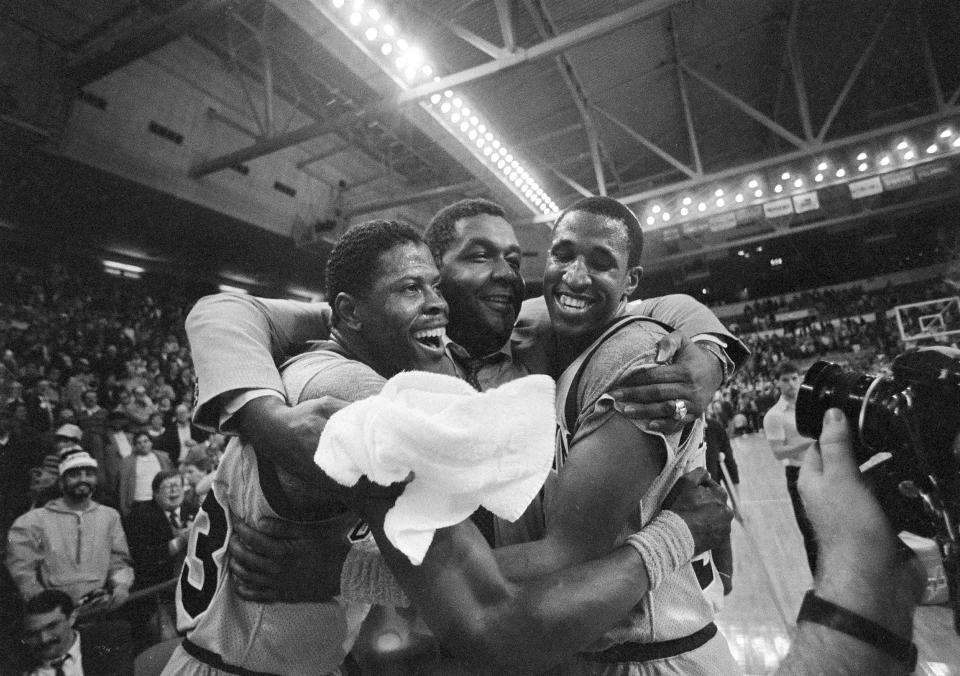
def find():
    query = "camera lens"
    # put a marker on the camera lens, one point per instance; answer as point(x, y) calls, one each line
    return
point(826, 385)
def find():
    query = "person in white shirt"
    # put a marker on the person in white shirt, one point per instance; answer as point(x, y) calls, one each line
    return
point(137, 471)
point(789, 447)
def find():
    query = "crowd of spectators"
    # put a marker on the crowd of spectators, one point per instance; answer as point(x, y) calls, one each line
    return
point(96, 382)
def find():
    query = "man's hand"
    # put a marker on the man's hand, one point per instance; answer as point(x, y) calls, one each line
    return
point(288, 435)
point(118, 596)
point(289, 562)
point(702, 503)
point(652, 394)
point(862, 566)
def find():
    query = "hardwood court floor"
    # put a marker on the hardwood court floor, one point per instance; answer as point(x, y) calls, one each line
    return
point(771, 575)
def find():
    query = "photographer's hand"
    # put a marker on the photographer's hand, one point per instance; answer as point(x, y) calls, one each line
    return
point(862, 569)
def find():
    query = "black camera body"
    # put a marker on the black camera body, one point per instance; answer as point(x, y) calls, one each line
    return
point(904, 430)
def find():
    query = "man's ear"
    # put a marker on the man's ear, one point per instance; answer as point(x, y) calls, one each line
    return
point(345, 307)
point(634, 275)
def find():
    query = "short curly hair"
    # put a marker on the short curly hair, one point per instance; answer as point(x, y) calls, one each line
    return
point(611, 208)
point(441, 230)
point(352, 265)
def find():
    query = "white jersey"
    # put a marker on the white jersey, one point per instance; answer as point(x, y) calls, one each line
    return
point(686, 601)
point(225, 631)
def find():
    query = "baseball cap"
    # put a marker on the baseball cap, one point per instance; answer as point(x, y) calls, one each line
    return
point(69, 431)
point(76, 459)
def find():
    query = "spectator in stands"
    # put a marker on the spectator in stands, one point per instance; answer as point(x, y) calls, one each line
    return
point(140, 409)
point(162, 389)
point(124, 399)
point(780, 428)
point(158, 433)
point(18, 455)
point(53, 642)
point(181, 433)
point(158, 530)
point(72, 543)
point(119, 446)
point(137, 471)
point(92, 419)
point(78, 384)
point(196, 469)
point(48, 644)
point(41, 404)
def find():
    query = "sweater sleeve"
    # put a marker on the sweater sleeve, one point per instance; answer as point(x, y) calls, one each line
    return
point(24, 554)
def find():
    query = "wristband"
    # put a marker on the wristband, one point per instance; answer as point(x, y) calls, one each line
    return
point(365, 578)
point(665, 544)
point(817, 610)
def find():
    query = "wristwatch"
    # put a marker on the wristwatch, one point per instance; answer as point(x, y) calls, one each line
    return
point(817, 610)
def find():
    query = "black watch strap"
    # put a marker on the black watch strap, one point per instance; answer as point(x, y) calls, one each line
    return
point(817, 610)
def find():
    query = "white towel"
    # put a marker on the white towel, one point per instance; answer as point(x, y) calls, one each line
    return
point(465, 449)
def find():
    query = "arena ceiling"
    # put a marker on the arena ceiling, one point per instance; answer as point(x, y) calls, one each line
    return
point(299, 116)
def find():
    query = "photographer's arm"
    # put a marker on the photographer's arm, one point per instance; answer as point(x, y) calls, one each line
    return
point(861, 568)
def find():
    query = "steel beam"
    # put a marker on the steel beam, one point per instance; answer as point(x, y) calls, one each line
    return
point(545, 49)
point(855, 73)
point(569, 181)
point(550, 135)
point(648, 144)
point(745, 107)
point(215, 114)
point(390, 202)
point(272, 145)
point(797, 71)
point(504, 14)
point(685, 100)
point(322, 156)
point(248, 97)
point(545, 27)
point(928, 61)
point(142, 39)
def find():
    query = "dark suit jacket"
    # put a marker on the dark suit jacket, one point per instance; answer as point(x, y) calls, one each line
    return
point(128, 478)
point(170, 441)
point(148, 534)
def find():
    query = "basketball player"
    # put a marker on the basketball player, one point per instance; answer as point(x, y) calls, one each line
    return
point(392, 277)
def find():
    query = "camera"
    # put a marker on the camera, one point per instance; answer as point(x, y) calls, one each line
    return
point(904, 427)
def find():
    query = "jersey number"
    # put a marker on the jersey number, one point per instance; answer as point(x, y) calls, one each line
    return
point(201, 570)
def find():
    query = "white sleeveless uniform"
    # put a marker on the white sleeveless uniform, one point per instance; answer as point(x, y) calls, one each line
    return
point(226, 634)
point(681, 605)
